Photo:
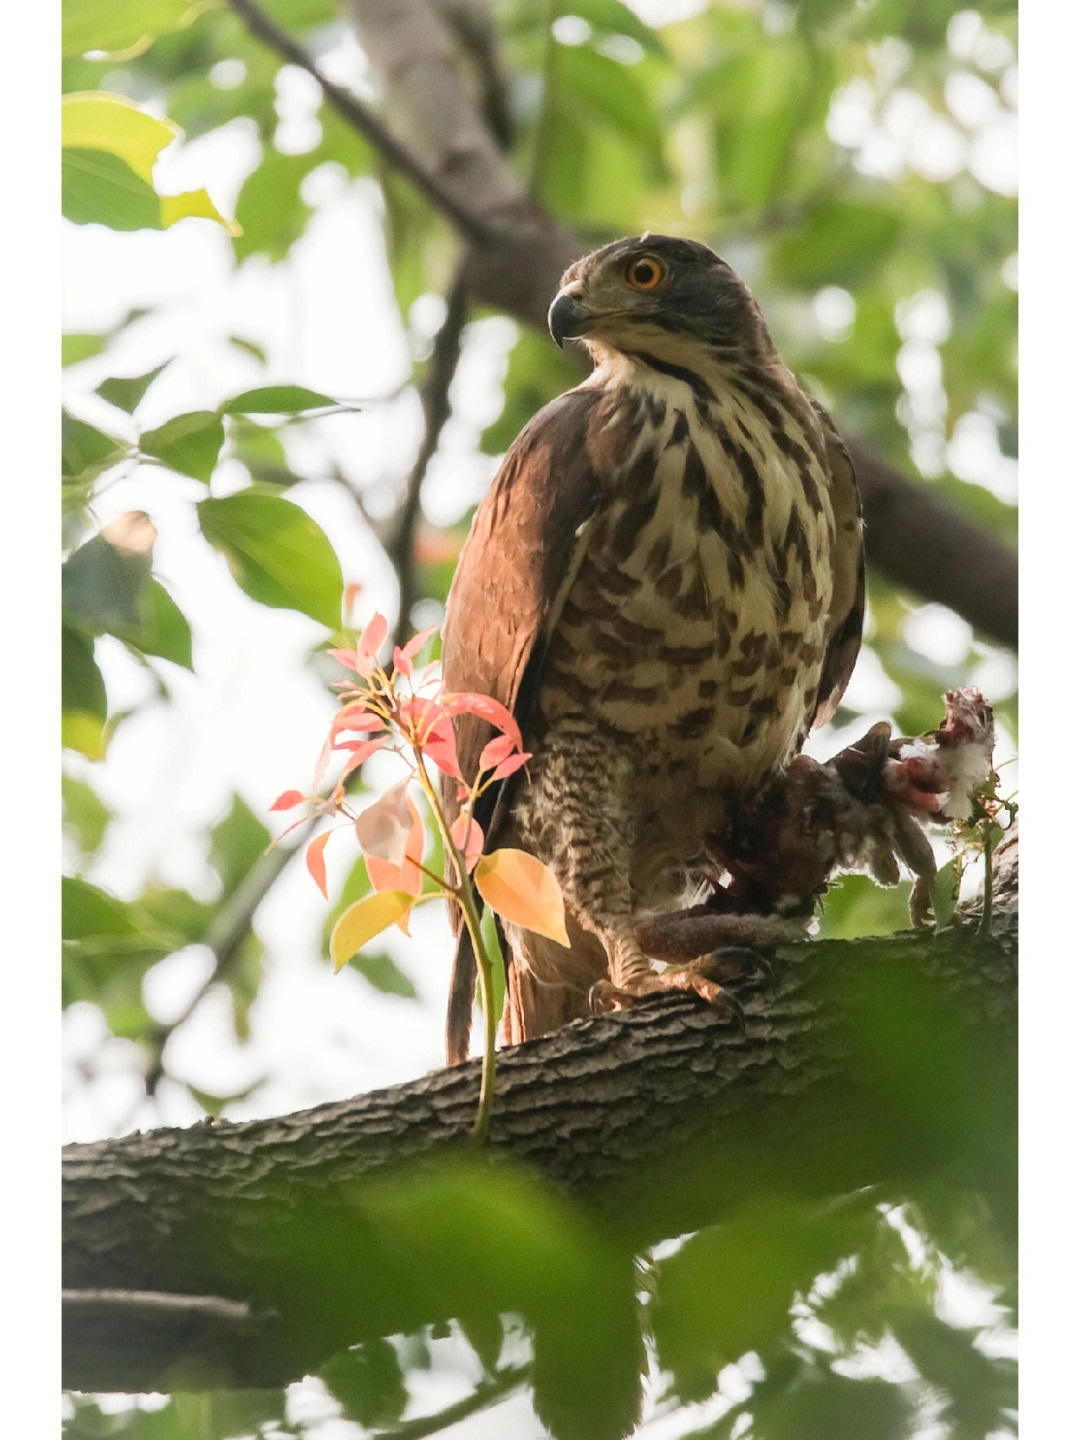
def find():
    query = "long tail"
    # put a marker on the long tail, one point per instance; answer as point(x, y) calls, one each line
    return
point(459, 1005)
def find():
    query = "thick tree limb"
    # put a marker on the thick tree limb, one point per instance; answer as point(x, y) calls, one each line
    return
point(278, 1216)
point(910, 535)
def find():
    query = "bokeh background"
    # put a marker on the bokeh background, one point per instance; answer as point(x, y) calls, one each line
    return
point(855, 163)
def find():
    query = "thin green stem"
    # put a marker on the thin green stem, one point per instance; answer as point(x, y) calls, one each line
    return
point(986, 921)
point(465, 895)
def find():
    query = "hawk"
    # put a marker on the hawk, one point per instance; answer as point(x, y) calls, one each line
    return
point(664, 584)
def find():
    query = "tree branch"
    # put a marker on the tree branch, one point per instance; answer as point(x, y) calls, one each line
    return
point(910, 535)
point(821, 1095)
point(365, 122)
point(435, 395)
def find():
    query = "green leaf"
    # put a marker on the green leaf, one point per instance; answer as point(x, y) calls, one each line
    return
point(276, 400)
point(104, 25)
point(125, 392)
point(101, 586)
point(163, 628)
point(610, 92)
point(188, 443)
point(85, 450)
point(842, 243)
point(277, 553)
point(381, 972)
point(85, 814)
point(110, 147)
point(74, 348)
point(614, 18)
point(237, 842)
point(946, 891)
point(82, 725)
point(366, 1381)
point(86, 912)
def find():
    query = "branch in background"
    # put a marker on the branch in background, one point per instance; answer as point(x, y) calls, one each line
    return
point(910, 535)
point(435, 394)
point(225, 939)
point(365, 122)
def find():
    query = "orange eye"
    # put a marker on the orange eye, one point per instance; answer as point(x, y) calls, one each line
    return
point(644, 273)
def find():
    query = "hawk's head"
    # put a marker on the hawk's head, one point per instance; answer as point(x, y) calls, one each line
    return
point(658, 295)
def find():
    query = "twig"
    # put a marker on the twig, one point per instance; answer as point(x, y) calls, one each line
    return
point(476, 227)
point(225, 938)
point(436, 401)
point(500, 1384)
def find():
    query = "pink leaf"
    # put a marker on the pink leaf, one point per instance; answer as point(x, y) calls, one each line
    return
point(316, 862)
point(487, 708)
point(355, 717)
point(322, 762)
point(373, 636)
point(361, 749)
point(468, 837)
point(524, 891)
point(431, 729)
point(287, 799)
point(495, 752)
point(344, 657)
point(510, 764)
point(412, 648)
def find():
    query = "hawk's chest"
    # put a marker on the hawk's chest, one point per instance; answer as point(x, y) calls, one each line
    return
point(694, 608)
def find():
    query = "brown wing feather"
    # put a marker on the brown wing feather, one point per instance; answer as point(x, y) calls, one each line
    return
point(502, 606)
point(848, 600)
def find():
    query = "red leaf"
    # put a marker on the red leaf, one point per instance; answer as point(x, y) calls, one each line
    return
point(373, 636)
point(361, 749)
point(316, 863)
point(495, 752)
point(511, 763)
point(487, 708)
point(287, 799)
point(403, 658)
point(468, 837)
point(355, 717)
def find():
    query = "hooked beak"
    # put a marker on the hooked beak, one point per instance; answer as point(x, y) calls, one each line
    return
point(568, 317)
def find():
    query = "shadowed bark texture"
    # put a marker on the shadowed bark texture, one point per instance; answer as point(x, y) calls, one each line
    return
point(651, 1123)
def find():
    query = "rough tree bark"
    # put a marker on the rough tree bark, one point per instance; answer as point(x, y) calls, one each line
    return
point(415, 46)
point(247, 1253)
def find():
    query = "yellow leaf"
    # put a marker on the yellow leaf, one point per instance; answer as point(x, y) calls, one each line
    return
point(95, 120)
point(364, 920)
point(199, 204)
point(524, 891)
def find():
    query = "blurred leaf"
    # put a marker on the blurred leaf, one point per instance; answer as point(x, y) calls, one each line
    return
point(108, 947)
point(823, 1403)
point(74, 348)
point(126, 392)
point(609, 92)
point(163, 628)
point(188, 443)
point(110, 146)
point(276, 400)
point(841, 243)
point(85, 814)
point(168, 908)
point(82, 725)
point(277, 553)
point(382, 973)
point(855, 906)
point(614, 18)
point(368, 1384)
point(237, 842)
point(946, 892)
point(102, 25)
point(100, 587)
point(85, 450)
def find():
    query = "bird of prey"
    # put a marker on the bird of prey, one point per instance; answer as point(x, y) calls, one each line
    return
point(664, 584)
